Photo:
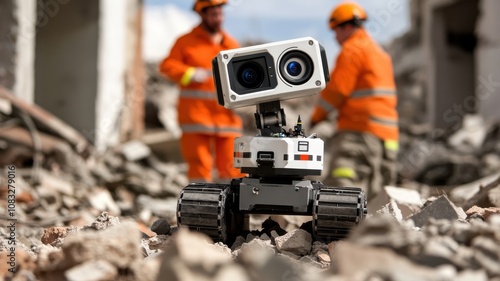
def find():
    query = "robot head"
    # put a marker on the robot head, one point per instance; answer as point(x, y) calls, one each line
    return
point(270, 72)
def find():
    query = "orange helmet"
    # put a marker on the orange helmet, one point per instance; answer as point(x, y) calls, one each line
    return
point(346, 12)
point(199, 5)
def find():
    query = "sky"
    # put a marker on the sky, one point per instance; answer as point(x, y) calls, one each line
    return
point(270, 20)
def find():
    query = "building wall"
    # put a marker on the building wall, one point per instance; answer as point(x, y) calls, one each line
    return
point(488, 59)
point(8, 23)
point(66, 57)
point(17, 32)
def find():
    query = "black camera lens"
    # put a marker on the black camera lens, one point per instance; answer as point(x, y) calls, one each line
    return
point(296, 67)
point(250, 75)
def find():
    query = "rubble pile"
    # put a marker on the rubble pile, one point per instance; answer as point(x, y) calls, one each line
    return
point(450, 158)
point(448, 245)
point(62, 180)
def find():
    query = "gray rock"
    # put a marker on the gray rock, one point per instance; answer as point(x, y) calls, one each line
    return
point(191, 256)
point(237, 243)
point(441, 208)
point(383, 230)
point(298, 242)
point(161, 227)
point(256, 253)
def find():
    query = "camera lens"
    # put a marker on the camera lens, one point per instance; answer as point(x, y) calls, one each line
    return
point(296, 67)
point(250, 75)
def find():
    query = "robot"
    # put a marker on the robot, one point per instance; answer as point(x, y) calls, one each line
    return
point(276, 160)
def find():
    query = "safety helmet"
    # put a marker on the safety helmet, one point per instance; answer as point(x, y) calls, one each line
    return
point(199, 5)
point(345, 12)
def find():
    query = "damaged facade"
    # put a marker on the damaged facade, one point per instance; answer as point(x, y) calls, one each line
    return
point(446, 65)
point(100, 93)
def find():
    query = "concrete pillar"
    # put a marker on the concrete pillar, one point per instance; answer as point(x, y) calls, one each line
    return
point(488, 59)
point(8, 24)
point(132, 120)
point(120, 92)
point(24, 86)
point(17, 43)
point(111, 71)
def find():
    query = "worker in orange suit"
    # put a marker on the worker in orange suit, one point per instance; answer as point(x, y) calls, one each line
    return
point(208, 129)
point(362, 92)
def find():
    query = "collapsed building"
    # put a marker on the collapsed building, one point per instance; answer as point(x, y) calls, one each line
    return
point(79, 60)
point(446, 69)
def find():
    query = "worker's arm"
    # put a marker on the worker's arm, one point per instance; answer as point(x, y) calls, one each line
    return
point(342, 83)
point(178, 71)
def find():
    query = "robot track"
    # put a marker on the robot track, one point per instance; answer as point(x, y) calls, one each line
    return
point(336, 211)
point(207, 208)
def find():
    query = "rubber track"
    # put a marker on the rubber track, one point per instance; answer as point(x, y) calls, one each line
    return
point(201, 207)
point(336, 211)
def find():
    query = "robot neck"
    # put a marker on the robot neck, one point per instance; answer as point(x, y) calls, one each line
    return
point(270, 119)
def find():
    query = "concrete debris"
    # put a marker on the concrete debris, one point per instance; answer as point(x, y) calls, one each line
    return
point(483, 213)
point(441, 208)
point(135, 150)
point(98, 270)
point(297, 242)
point(182, 262)
point(53, 235)
point(392, 209)
point(407, 201)
point(373, 263)
point(74, 210)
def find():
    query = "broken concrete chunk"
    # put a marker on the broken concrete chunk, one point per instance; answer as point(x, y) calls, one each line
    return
point(102, 200)
point(484, 213)
point(118, 245)
point(97, 270)
point(255, 253)
point(135, 150)
point(392, 209)
point(407, 200)
point(51, 235)
point(103, 221)
point(298, 242)
point(441, 208)
point(190, 256)
point(238, 242)
point(361, 263)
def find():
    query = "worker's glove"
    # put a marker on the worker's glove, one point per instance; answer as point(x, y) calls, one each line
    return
point(201, 75)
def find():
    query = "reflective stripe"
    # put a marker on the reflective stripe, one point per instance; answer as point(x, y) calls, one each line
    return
point(188, 75)
point(373, 92)
point(384, 121)
point(197, 129)
point(391, 145)
point(344, 172)
point(208, 129)
point(197, 94)
point(228, 130)
point(325, 105)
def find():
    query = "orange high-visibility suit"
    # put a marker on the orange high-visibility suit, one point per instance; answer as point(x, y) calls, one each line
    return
point(206, 126)
point(363, 91)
